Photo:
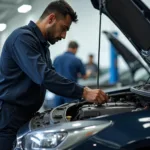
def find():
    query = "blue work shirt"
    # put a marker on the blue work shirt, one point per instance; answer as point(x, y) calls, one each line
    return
point(26, 70)
point(69, 66)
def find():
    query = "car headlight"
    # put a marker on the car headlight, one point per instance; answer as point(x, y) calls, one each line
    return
point(61, 136)
point(43, 140)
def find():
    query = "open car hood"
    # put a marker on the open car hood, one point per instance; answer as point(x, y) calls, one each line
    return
point(132, 18)
point(132, 61)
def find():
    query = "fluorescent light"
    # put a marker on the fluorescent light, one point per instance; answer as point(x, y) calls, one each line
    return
point(2, 26)
point(24, 8)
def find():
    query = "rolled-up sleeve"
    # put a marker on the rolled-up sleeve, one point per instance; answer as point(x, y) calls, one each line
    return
point(29, 59)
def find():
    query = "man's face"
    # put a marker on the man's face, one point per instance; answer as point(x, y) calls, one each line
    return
point(59, 29)
point(75, 50)
point(91, 59)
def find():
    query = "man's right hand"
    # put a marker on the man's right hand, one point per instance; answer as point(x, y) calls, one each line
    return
point(94, 95)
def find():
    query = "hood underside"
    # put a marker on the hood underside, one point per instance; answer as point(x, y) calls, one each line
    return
point(132, 18)
point(132, 61)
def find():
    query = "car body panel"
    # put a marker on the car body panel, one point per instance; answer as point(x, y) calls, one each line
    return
point(126, 130)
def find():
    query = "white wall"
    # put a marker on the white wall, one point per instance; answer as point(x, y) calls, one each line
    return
point(85, 31)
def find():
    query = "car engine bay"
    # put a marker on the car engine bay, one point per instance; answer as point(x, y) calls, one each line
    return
point(119, 102)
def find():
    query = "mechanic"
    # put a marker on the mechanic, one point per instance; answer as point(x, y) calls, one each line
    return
point(26, 71)
point(71, 67)
point(91, 66)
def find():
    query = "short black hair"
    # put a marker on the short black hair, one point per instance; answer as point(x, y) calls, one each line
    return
point(91, 55)
point(73, 44)
point(61, 7)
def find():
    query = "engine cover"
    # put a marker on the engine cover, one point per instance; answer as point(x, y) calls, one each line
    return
point(89, 111)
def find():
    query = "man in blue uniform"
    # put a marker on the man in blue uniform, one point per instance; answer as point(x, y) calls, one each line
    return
point(26, 71)
point(71, 67)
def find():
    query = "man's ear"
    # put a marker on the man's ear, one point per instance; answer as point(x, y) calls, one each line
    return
point(51, 18)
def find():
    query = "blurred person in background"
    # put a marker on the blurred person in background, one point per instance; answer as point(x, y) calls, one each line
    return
point(91, 66)
point(71, 67)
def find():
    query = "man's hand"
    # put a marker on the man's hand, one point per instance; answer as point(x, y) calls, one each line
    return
point(94, 95)
point(87, 75)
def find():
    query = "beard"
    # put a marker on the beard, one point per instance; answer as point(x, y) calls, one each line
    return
point(50, 35)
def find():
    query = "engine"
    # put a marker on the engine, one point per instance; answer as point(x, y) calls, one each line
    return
point(120, 102)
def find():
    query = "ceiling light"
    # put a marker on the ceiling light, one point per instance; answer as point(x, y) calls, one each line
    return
point(24, 8)
point(2, 26)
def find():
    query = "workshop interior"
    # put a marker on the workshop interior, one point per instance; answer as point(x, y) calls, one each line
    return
point(75, 50)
